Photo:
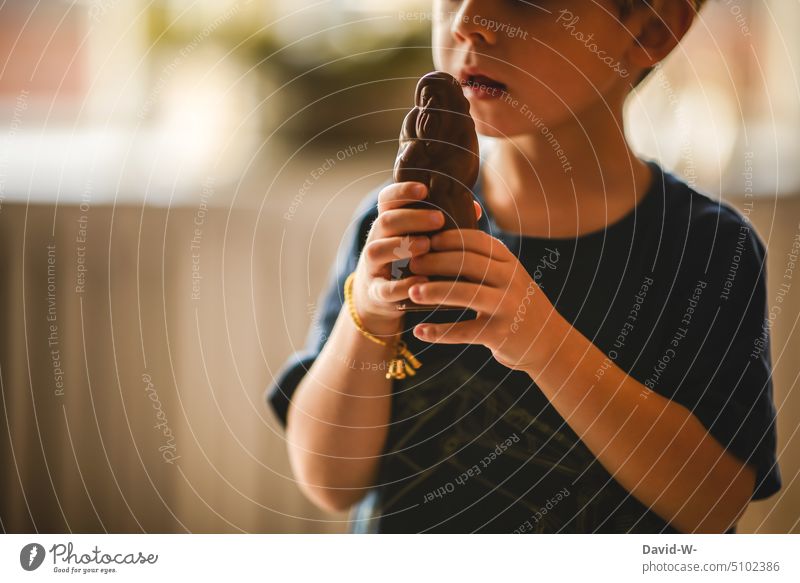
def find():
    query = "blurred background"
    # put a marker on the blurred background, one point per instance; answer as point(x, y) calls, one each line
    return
point(175, 178)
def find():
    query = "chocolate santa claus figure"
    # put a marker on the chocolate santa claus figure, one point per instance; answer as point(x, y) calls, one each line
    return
point(439, 147)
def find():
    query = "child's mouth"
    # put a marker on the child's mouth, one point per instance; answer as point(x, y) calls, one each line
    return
point(482, 87)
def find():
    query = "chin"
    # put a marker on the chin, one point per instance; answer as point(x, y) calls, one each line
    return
point(497, 120)
point(498, 128)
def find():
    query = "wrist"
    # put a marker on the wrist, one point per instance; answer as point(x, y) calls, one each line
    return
point(552, 345)
point(381, 326)
point(403, 362)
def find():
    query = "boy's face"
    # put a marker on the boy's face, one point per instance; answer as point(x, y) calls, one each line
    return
point(554, 59)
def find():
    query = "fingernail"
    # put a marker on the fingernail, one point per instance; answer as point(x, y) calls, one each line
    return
point(420, 190)
point(421, 244)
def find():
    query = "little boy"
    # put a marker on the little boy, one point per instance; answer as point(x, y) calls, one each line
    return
point(615, 377)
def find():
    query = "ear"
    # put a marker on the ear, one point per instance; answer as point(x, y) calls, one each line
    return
point(658, 28)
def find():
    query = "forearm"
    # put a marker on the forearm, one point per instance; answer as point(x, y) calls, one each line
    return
point(655, 448)
point(339, 415)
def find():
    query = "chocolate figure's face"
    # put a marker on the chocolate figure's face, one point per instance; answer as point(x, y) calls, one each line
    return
point(442, 106)
point(438, 134)
point(441, 90)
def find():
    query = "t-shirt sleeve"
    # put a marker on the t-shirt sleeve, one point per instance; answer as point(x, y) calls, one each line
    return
point(329, 304)
point(716, 357)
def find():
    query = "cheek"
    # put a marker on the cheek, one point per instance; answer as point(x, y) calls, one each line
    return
point(565, 75)
point(442, 44)
point(589, 50)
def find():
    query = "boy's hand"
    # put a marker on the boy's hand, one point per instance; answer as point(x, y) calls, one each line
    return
point(376, 292)
point(516, 321)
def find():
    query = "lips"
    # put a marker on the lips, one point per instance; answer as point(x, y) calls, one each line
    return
point(481, 85)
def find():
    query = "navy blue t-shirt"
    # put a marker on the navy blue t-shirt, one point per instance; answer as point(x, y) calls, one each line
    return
point(674, 293)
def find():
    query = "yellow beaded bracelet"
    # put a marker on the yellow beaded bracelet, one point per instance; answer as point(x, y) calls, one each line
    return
point(404, 363)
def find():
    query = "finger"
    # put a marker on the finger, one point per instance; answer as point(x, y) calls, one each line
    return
point(469, 332)
point(404, 221)
point(478, 210)
point(471, 240)
point(381, 252)
point(473, 266)
point(480, 298)
point(393, 290)
point(400, 194)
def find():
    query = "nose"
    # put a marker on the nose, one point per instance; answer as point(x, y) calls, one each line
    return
point(472, 25)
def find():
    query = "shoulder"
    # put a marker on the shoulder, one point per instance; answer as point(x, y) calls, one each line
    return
point(711, 244)
point(708, 227)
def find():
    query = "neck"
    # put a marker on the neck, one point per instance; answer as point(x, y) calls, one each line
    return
point(594, 171)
